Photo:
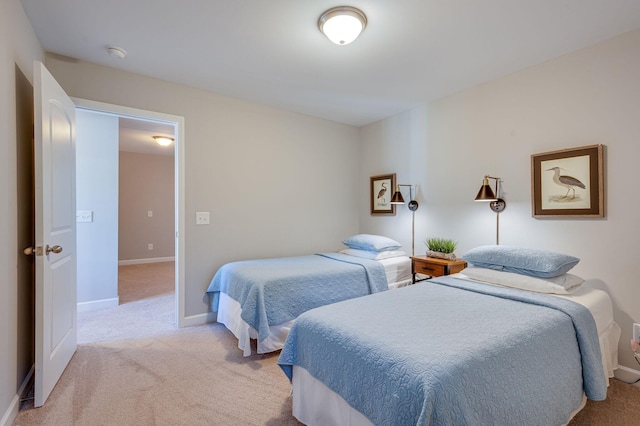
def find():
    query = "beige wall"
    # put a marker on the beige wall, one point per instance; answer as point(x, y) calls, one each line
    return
point(276, 183)
point(588, 97)
point(19, 47)
point(146, 183)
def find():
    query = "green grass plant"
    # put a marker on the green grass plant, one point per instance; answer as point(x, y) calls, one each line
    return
point(441, 245)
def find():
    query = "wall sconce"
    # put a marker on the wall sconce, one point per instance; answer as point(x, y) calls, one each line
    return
point(342, 24)
point(397, 198)
point(496, 203)
point(163, 140)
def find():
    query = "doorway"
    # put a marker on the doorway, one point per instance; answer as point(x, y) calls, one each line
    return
point(137, 122)
point(146, 210)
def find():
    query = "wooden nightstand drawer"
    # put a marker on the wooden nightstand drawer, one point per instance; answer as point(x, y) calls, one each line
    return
point(435, 267)
point(430, 269)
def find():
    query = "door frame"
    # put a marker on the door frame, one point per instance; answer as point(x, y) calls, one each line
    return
point(179, 183)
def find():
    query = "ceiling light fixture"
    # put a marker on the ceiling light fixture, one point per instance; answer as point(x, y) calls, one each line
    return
point(163, 140)
point(342, 24)
point(116, 52)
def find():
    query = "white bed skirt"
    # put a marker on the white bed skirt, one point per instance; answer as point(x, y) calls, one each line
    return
point(229, 312)
point(315, 404)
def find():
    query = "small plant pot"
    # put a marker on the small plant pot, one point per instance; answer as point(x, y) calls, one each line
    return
point(440, 255)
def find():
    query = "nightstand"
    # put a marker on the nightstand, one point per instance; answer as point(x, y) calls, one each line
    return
point(435, 267)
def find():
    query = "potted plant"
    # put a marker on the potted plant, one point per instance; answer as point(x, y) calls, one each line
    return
point(441, 248)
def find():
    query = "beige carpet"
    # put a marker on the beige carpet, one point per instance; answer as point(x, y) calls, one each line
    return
point(138, 369)
point(193, 377)
point(621, 408)
point(147, 306)
point(137, 282)
point(134, 367)
point(135, 320)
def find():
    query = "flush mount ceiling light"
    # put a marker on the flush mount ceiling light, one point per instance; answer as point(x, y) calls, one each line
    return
point(163, 140)
point(342, 24)
point(116, 52)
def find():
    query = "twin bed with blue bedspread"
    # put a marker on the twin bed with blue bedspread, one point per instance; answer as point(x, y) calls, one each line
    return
point(449, 351)
point(259, 299)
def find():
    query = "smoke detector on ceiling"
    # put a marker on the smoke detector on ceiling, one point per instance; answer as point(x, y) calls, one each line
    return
point(116, 52)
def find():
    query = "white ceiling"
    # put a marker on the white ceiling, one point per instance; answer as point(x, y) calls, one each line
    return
point(271, 52)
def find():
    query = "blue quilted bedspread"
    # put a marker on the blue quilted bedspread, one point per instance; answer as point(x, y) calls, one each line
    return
point(274, 291)
point(452, 352)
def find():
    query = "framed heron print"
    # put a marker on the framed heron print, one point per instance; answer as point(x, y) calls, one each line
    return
point(568, 183)
point(382, 187)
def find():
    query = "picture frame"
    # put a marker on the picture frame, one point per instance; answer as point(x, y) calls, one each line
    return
point(568, 183)
point(382, 188)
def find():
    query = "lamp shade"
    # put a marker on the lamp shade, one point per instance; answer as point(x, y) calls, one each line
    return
point(342, 24)
point(397, 198)
point(486, 193)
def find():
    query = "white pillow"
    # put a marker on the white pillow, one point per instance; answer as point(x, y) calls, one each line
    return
point(374, 255)
point(562, 284)
point(371, 242)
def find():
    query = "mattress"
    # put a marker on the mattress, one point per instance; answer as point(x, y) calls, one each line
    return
point(315, 404)
point(397, 271)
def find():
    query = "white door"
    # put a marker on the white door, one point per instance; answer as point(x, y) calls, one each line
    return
point(55, 245)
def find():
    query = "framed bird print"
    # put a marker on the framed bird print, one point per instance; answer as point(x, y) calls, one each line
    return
point(382, 187)
point(568, 183)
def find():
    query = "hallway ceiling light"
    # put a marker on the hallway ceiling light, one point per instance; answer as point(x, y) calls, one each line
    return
point(116, 52)
point(163, 140)
point(342, 24)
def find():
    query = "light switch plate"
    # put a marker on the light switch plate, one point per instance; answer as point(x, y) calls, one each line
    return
point(202, 218)
point(84, 216)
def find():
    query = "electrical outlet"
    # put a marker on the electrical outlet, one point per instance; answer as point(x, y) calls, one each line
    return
point(636, 332)
point(150, 246)
point(202, 218)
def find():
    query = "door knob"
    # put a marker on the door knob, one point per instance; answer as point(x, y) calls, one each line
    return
point(54, 249)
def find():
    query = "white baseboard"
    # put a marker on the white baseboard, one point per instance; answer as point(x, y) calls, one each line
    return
point(12, 411)
point(94, 305)
point(149, 260)
point(200, 319)
point(628, 375)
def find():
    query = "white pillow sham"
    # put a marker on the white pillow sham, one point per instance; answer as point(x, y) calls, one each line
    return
point(371, 242)
point(374, 255)
point(562, 284)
